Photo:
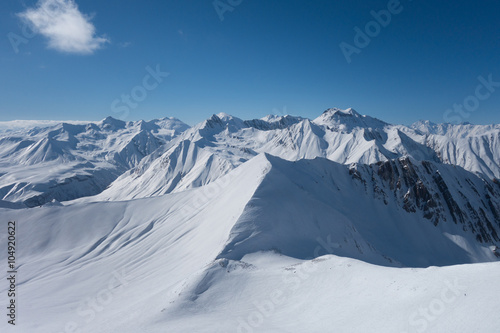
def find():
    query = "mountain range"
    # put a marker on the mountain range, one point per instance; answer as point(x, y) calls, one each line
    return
point(141, 159)
point(279, 224)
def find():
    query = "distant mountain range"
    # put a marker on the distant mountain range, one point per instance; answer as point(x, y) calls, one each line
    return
point(68, 161)
point(119, 160)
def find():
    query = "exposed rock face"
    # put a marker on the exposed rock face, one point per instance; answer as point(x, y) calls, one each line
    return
point(419, 187)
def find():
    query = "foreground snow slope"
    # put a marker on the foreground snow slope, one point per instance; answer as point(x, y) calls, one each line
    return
point(271, 293)
point(192, 261)
point(70, 253)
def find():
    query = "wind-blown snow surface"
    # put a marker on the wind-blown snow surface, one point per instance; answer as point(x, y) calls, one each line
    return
point(211, 259)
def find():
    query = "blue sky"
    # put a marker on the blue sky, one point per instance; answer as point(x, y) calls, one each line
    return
point(265, 56)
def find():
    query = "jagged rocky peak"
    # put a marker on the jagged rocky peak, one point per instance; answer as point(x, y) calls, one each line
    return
point(170, 123)
point(340, 112)
point(272, 122)
point(424, 126)
point(338, 119)
point(270, 118)
point(91, 127)
point(273, 118)
point(212, 122)
point(224, 116)
point(336, 114)
point(223, 120)
point(112, 123)
point(151, 126)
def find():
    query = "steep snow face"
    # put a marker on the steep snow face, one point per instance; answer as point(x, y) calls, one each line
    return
point(479, 154)
point(412, 213)
point(71, 253)
point(474, 147)
point(298, 203)
point(190, 259)
point(68, 161)
point(182, 166)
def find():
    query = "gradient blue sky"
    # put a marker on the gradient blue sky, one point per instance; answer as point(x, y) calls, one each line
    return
point(266, 56)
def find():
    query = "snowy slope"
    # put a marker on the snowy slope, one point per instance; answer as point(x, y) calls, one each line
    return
point(474, 147)
point(192, 261)
point(67, 161)
point(73, 252)
point(331, 294)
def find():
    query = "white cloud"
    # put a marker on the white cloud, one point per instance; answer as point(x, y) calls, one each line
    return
point(67, 29)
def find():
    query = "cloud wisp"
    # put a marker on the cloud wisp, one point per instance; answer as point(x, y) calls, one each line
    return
point(67, 29)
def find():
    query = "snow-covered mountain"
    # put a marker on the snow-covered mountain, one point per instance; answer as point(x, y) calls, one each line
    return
point(116, 160)
point(219, 144)
point(279, 224)
point(297, 202)
point(474, 147)
point(67, 161)
point(273, 238)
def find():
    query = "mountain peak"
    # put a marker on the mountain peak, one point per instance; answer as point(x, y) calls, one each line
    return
point(224, 116)
point(112, 123)
point(346, 120)
point(271, 118)
point(340, 112)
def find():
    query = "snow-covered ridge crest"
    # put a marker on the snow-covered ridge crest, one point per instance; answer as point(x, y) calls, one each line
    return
point(347, 120)
point(298, 202)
